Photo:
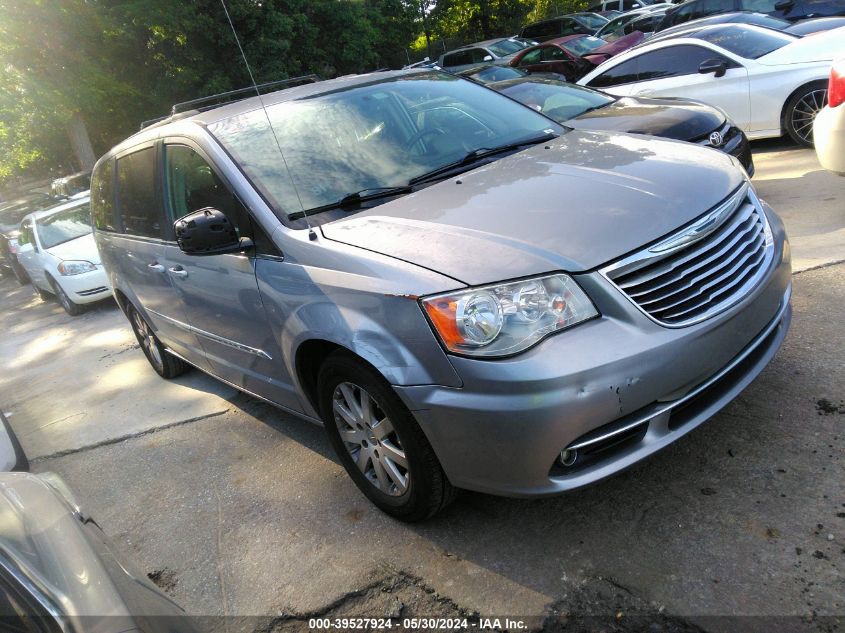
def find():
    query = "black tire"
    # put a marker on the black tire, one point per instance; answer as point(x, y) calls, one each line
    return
point(43, 294)
point(801, 110)
point(165, 364)
point(20, 273)
point(428, 490)
point(73, 309)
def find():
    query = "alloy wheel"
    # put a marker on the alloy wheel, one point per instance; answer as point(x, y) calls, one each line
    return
point(147, 339)
point(805, 111)
point(370, 438)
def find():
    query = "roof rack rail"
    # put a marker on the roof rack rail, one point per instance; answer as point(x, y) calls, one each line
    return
point(213, 101)
point(167, 119)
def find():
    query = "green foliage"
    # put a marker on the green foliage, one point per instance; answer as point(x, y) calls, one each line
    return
point(119, 62)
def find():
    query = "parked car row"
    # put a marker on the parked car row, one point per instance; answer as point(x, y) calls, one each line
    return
point(768, 82)
point(53, 249)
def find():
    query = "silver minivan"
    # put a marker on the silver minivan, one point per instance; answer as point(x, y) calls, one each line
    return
point(465, 293)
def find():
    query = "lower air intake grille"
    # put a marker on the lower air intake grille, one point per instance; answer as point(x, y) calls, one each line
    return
point(702, 269)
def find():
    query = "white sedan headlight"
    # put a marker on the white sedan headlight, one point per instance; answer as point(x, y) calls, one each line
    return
point(507, 318)
point(76, 267)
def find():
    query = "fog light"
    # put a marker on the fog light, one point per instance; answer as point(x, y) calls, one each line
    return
point(568, 457)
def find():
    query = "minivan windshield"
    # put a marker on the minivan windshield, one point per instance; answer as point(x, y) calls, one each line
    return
point(385, 133)
point(64, 226)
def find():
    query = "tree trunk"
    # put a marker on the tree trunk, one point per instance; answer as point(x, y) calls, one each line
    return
point(80, 143)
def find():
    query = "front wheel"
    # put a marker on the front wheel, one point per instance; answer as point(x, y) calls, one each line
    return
point(166, 365)
point(378, 441)
point(73, 309)
point(42, 294)
point(801, 111)
point(19, 272)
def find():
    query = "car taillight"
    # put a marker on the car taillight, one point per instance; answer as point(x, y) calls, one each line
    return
point(836, 87)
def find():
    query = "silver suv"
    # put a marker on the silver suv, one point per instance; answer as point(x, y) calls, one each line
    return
point(465, 293)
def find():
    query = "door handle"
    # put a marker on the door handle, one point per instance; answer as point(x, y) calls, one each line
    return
point(178, 271)
point(156, 267)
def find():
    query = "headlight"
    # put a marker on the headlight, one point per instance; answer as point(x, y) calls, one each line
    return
point(507, 318)
point(76, 268)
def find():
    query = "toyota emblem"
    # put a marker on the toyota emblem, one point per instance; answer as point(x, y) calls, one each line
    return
point(715, 138)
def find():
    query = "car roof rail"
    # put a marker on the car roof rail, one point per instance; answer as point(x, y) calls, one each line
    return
point(212, 101)
point(169, 118)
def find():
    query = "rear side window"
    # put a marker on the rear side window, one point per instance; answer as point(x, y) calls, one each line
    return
point(136, 194)
point(457, 59)
point(624, 73)
point(531, 57)
point(673, 61)
point(102, 197)
point(26, 233)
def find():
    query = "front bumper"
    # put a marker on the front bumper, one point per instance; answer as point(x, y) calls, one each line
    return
point(86, 287)
point(735, 143)
point(502, 432)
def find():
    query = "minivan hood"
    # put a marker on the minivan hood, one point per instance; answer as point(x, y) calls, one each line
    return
point(587, 199)
point(818, 47)
point(81, 248)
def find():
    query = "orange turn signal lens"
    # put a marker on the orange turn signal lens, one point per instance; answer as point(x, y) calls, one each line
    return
point(442, 314)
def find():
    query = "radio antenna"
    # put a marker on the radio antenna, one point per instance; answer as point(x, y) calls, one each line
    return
point(312, 235)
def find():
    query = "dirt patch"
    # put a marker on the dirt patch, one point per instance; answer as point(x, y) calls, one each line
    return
point(404, 596)
point(165, 579)
point(826, 407)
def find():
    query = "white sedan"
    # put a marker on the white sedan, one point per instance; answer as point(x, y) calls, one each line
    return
point(768, 82)
point(57, 250)
point(829, 127)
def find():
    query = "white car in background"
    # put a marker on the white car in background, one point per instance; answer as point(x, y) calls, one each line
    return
point(767, 81)
point(57, 249)
point(829, 126)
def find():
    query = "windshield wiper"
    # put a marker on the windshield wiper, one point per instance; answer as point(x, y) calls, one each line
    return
point(355, 198)
point(478, 154)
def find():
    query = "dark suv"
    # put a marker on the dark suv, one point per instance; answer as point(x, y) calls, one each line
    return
point(791, 10)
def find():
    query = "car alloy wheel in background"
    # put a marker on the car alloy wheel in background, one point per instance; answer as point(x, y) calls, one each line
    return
point(73, 309)
point(802, 110)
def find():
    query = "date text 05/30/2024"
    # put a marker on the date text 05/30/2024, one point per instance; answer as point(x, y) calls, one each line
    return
point(412, 624)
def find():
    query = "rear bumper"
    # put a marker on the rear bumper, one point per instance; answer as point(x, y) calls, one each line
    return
point(621, 376)
point(829, 138)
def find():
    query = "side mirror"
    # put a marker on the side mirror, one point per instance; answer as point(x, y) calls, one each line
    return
point(784, 5)
point(488, 58)
point(208, 232)
point(26, 248)
point(716, 66)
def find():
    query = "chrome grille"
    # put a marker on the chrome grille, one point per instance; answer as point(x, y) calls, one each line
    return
point(702, 269)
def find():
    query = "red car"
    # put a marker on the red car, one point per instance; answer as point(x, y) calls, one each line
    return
point(573, 56)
